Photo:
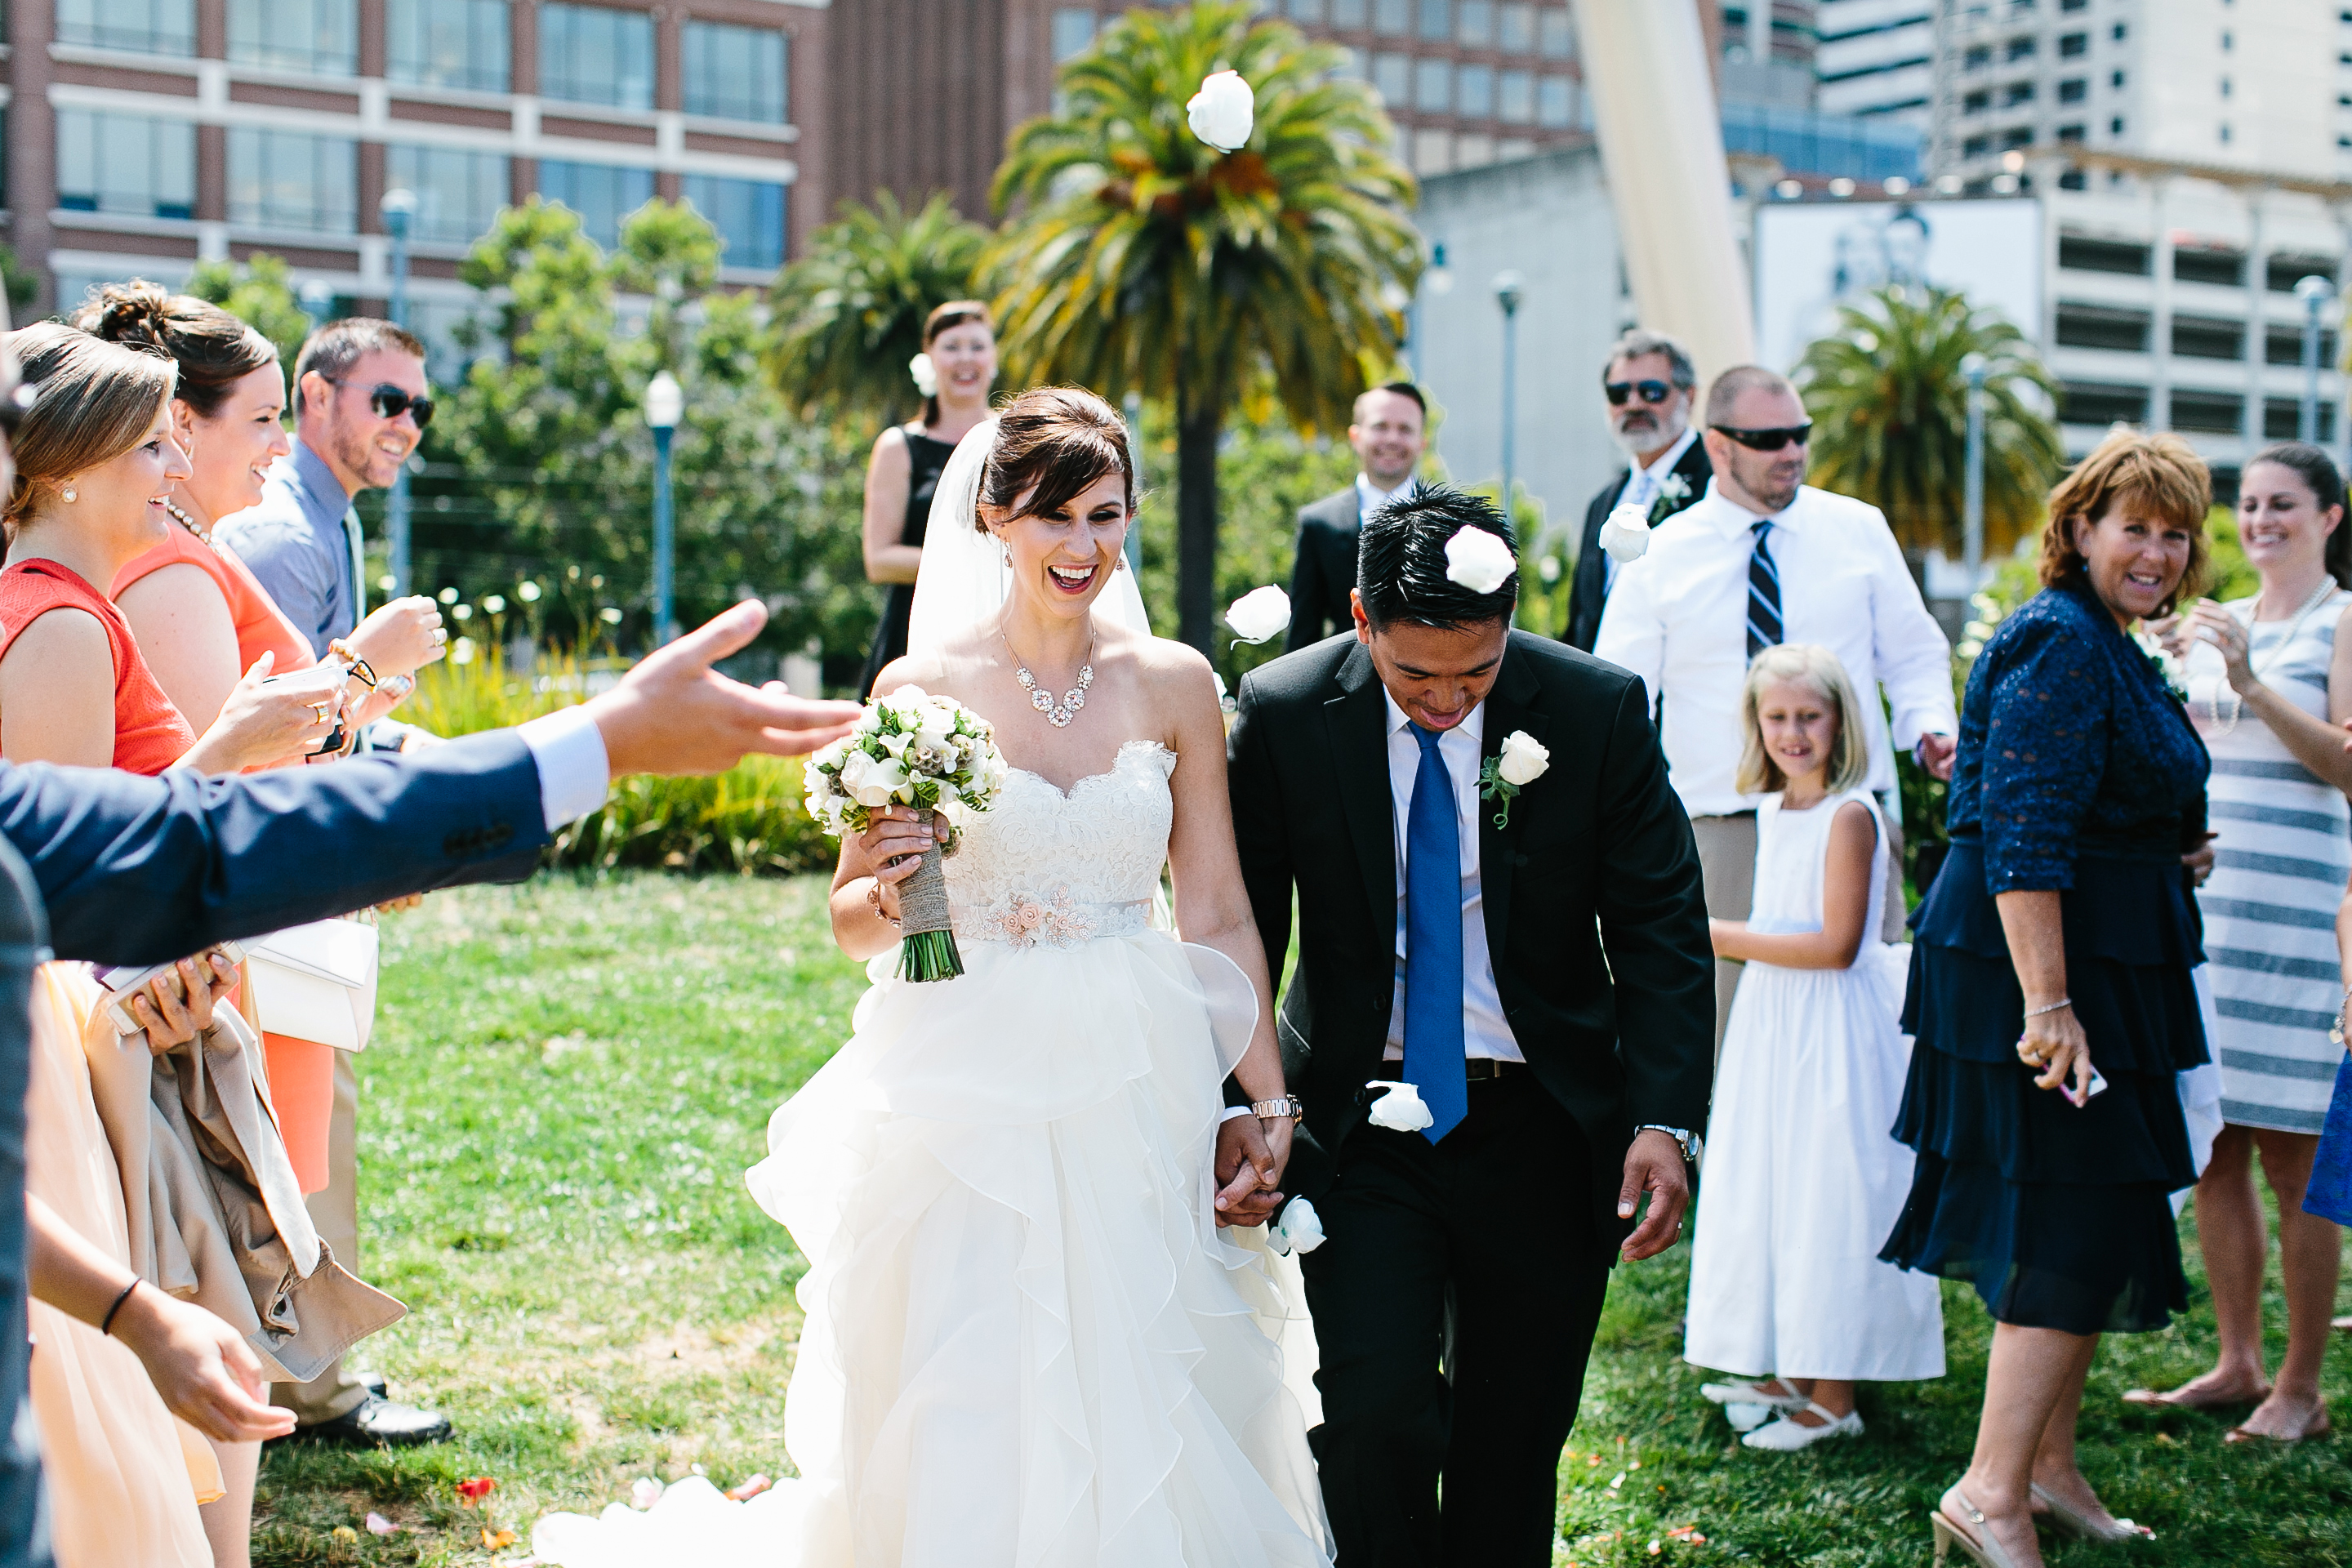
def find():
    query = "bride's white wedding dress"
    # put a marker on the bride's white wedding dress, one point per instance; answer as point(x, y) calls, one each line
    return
point(1027, 1341)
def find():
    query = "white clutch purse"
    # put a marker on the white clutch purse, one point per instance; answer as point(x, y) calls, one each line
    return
point(316, 982)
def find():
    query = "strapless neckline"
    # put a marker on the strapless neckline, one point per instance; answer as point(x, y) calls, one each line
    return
point(1111, 771)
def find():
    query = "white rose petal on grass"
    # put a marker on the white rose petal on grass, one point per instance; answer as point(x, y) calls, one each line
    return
point(1300, 1228)
point(1259, 615)
point(643, 1492)
point(927, 379)
point(1524, 759)
point(1401, 1110)
point(1625, 533)
point(1222, 111)
point(1478, 560)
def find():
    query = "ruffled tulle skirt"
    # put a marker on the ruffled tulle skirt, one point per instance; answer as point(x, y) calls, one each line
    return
point(1026, 1342)
point(2058, 1215)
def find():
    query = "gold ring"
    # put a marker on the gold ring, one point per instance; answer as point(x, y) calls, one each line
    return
point(318, 711)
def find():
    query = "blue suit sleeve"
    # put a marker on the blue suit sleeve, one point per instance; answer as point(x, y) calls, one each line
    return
point(142, 871)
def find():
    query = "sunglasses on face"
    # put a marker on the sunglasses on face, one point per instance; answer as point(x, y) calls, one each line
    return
point(1652, 391)
point(1768, 441)
point(391, 402)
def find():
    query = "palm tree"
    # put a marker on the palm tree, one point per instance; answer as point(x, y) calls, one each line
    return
point(849, 314)
point(1143, 260)
point(1890, 405)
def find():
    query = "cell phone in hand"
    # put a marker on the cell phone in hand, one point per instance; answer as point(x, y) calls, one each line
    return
point(127, 982)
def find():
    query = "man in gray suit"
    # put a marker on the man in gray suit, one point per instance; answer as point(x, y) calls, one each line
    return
point(1389, 433)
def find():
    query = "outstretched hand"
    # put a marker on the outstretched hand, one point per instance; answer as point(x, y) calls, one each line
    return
point(674, 715)
point(206, 1375)
point(1654, 1165)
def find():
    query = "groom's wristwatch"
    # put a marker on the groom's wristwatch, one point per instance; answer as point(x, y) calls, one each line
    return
point(1690, 1145)
point(1289, 1105)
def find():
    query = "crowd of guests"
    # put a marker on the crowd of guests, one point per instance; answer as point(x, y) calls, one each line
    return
point(2143, 915)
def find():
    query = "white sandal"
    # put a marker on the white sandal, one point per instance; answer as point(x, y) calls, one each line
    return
point(1788, 1434)
point(1750, 1392)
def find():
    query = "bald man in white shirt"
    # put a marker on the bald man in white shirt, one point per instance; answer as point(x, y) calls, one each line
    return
point(1764, 558)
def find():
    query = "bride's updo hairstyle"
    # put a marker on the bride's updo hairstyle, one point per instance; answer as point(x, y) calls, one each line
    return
point(1054, 442)
point(213, 349)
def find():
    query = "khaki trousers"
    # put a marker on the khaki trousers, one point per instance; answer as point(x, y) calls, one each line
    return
point(335, 1210)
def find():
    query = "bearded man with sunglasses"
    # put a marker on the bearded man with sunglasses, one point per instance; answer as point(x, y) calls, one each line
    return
point(1650, 383)
point(1764, 558)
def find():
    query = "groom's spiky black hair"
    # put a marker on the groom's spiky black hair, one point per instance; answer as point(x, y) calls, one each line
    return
point(1400, 562)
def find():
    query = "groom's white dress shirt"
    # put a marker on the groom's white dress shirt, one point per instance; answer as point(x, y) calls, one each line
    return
point(1485, 1033)
point(1678, 618)
point(575, 771)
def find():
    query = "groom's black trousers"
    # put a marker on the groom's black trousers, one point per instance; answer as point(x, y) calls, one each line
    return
point(1491, 1228)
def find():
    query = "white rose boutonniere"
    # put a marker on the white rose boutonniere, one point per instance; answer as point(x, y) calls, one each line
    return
point(1259, 615)
point(927, 377)
point(1523, 760)
point(2167, 668)
point(1478, 560)
point(1299, 1229)
point(1625, 533)
point(1220, 113)
point(1401, 1109)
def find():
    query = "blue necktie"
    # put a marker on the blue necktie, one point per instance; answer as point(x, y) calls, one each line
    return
point(1432, 943)
point(1763, 593)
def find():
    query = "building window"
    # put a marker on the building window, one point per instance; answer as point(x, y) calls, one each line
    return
point(2121, 331)
point(2073, 92)
point(1976, 146)
point(1350, 66)
point(2071, 5)
point(1514, 97)
point(1555, 104)
point(1473, 23)
point(1978, 58)
point(2225, 135)
point(1473, 92)
point(2116, 126)
point(2115, 80)
point(2119, 32)
point(735, 73)
point(458, 194)
point(1393, 78)
point(590, 54)
point(2283, 419)
point(2281, 273)
point(1347, 13)
point(1556, 33)
point(600, 195)
point(137, 27)
point(313, 37)
point(2228, 43)
point(2224, 268)
point(2017, 136)
point(1433, 86)
point(126, 164)
point(2096, 403)
point(2019, 92)
point(284, 179)
point(1072, 30)
point(1515, 30)
point(2073, 136)
point(1436, 20)
point(1392, 15)
point(2208, 337)
point(2073, 44)
point(748, 214)
point(2210, 413)
point(2077, 254)
point(1977, 102)
point(2225, 86)
point(1305, 10)
point(459, 44)
point(2022, 49)
point(2284, 345)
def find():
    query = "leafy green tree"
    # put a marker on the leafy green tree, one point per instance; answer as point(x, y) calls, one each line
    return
point(849, 314)
point(1144, 260)
point(260, 292)
point(541, 468)
point(1890, 402)
point(23, 285)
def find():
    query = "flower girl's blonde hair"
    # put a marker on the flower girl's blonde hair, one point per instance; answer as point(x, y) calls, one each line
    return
point(1818, 670)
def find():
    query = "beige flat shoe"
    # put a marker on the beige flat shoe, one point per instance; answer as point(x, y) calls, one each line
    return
point(1981, 1548)
point(2066, 1521)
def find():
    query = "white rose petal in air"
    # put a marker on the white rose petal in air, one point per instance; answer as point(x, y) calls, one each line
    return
point(1300, 1228)
point(1478, 560)
point(1220, 113)
point(1400, 1109)
point(1625, 533)
point(1258, 615)
point(927, 378)
point(1523, 758)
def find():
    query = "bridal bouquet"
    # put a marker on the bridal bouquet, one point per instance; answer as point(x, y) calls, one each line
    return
point(932, 754)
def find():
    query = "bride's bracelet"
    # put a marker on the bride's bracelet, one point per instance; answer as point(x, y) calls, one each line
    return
point(874, 897)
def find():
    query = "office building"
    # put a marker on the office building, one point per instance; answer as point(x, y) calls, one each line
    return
point(146, 135)
point(1875, 59)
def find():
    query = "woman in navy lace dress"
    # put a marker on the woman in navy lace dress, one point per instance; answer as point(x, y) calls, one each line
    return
point(2049, 990)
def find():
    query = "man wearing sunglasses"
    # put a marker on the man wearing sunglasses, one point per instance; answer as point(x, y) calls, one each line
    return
point(1764, 558)
point(1649, 383)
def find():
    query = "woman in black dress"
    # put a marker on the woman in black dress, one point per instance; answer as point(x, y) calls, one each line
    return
point(2061, 933)
point(957, 366)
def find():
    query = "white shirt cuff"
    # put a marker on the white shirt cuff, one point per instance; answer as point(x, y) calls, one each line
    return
point(574, 774)
point(1232, 1113)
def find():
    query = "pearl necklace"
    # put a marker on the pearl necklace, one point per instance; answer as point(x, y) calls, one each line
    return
point(1057, 714)
point(2319, 597)
point(189, 522)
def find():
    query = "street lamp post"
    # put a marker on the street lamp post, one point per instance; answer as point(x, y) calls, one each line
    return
point(2316, 293)
point(1973, 366)
point(1510, 289)
point(398, 208)
point(665, 405)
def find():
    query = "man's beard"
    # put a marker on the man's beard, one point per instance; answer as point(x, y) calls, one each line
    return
point(360, 455)
point(1664, 433)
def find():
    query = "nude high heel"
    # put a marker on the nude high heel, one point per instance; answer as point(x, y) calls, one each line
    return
point(2082, 1527)
point(1980, 1548)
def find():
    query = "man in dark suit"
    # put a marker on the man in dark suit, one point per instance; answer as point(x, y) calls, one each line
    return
point(1650, 382)
point(117, 868)
point(1389, 433)
point(1536, 965)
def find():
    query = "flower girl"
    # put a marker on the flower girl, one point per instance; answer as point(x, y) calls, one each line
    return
point(1803, 1178)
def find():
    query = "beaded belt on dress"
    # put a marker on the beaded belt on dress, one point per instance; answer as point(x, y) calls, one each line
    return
point(1026, 919)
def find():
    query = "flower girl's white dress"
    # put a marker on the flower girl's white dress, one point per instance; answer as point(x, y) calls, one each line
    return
point(1026, 1342)
point(1803, 1180)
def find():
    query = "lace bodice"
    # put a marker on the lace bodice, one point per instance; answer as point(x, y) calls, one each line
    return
point(1047, 867)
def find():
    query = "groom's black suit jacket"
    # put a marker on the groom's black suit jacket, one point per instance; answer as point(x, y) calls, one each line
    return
point(1595, 915)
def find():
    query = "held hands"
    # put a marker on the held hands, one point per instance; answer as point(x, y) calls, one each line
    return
point(2054, 1043)
point(201, 1366)
point(674, 715)
point(1251, 1154)
point(1654, 1165)
point(1936, 753)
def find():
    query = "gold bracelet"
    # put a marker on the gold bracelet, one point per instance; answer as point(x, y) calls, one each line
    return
point(874, 897)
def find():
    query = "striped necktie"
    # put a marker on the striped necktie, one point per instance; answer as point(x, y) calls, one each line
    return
point(1763, 593)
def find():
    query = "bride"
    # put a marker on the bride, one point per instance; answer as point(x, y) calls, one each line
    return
point(1026, 1341)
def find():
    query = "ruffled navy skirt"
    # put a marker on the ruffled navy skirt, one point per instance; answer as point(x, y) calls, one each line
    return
point(2060, 1217)
point(2330, 1193)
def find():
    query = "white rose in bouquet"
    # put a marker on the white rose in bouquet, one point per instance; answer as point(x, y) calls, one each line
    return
point(1479, 561)
point(1222, 111)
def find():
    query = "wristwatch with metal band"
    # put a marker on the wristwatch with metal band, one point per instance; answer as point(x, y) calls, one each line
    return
point(1289, 1105)
point(1690, 1145)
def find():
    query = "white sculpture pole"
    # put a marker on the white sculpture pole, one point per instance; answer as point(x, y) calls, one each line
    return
point(1662, 145)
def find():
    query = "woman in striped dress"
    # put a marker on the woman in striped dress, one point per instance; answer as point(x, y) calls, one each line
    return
point(2269, 678)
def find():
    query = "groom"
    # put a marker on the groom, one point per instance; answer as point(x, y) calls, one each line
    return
point(1546, 985)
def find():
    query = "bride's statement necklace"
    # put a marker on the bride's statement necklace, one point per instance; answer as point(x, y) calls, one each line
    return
point(1057, 714)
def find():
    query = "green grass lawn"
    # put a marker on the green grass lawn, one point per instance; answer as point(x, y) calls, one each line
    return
point(568, 1079)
